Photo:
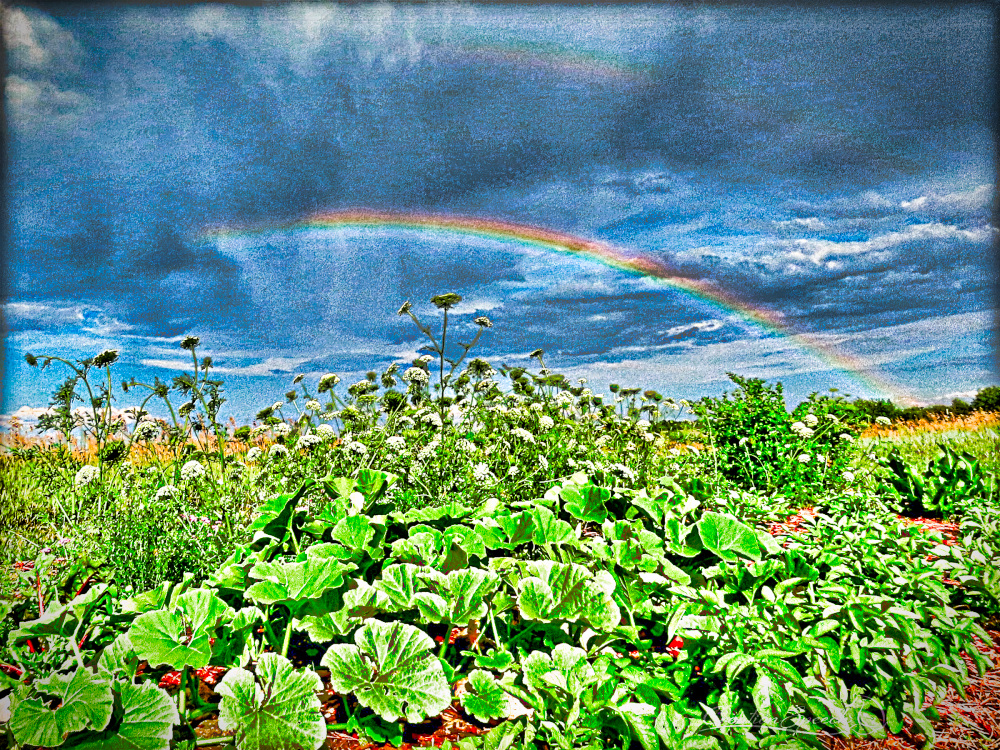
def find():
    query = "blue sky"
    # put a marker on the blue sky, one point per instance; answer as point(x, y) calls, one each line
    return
point(831, 166)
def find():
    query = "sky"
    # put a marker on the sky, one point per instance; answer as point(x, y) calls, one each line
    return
point(812, 189)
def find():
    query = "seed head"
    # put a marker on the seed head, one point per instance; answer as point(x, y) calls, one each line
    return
point(31, 359)
point(106, 358)
point(446, 301)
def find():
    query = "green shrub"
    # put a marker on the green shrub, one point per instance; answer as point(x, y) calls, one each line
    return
point(759, 445)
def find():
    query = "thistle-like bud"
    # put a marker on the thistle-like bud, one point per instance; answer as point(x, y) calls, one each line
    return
point(106, 358)
point(206, 363)
point(297, 379)
point(446, 301)
point(405, 308)
point(31, 359)
point(291, 396)
point(190, 342)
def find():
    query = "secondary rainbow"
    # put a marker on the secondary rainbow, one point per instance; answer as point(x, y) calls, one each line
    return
point(600, 252)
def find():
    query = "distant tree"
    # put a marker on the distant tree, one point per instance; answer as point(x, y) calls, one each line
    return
point(987, 399)
point(960, 408)
point(872, 408)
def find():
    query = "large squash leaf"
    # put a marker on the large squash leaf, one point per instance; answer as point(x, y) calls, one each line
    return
point(306, 588)
point(729, 538)
point(277, 708)
point(390, 670)
point(457, 597)
point(180, 636)
point(148, 716)
point(84, 701)
point(566, 591)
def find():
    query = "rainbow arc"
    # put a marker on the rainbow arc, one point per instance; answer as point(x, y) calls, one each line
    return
point(599, 252)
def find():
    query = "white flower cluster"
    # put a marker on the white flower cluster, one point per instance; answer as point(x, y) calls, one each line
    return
point(192, 470)
point(848, 476)
point(642, 425)
point(426, 358)
point(415, 375)
point(325, 431)
point(800, 429)
point(428, 451)
point(258, 431)
point(602, 441)
point(624, 471)
point(481, 473)
point(277, 450)
point(432, 418)
point(804, 458)
point(523, 434)
point(165, 492)
point(811, 420)
point(833, 418)
point(281, 429)
point(313, 405)
point(309, 441)
point(536, 406)
point(253, 455)
point(546, 422)
point(883, 421)
point(355, 447)
point(543, 462)
point(465, 445)
point(846, 437)
point(327, 382)
point(86, 475)
point(396, 443)
point(277, 405)
point(514, 470)
point(145, 430)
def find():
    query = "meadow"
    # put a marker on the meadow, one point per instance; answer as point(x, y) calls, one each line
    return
point(448, 554)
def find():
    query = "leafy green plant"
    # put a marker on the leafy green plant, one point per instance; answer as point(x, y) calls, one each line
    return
point(948, 483)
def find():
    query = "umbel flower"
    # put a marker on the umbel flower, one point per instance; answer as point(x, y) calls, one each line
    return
point(483, 321)
point(327, 382)
point(446, 301)
point(192, 470)
point(190, 342)
point(86, 475)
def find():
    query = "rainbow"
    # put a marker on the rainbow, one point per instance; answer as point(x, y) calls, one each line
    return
point(600, 252)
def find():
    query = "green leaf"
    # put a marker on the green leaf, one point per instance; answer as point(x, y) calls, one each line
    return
point(119, 657)
point(499, 661)
point(400, 584)
point(277, 708)
point(549, 529)
point(728, 537)
point(354, 532)
point(180, 636)
point(85, 702)
point(566, 591)
point(565, 669)
point(463, 593)
point(641, 718)
point(390, 670)
point(300, 586)
point(148, 716)
point(486, 699)
point(585, 502)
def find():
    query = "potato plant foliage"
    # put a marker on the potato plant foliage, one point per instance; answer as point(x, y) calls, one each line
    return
point(581, 571)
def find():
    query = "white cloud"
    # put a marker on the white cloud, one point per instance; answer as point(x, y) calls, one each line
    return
point(37, 42)
point(702, 325)
point(268, 367)
point(811, 223)
point(43, 100)
point(818, 251)
point(970, 200)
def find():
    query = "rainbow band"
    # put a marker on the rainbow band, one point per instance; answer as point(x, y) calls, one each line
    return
point(600, 252)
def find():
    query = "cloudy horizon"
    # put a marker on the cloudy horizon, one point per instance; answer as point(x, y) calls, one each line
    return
point(832, 168)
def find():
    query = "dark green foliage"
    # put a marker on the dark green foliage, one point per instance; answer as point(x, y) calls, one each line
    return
point(987, 399)
point(948, 482)
point(757, 443)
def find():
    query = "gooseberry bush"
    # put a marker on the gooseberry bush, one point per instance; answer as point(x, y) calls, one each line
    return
point(545, 566)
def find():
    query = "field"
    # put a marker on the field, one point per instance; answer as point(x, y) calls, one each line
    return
point(455, 556)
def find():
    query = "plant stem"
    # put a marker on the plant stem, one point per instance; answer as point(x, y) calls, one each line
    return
point(447, 632)
point(211, 741)
point(182, 694)
point(288, 636)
